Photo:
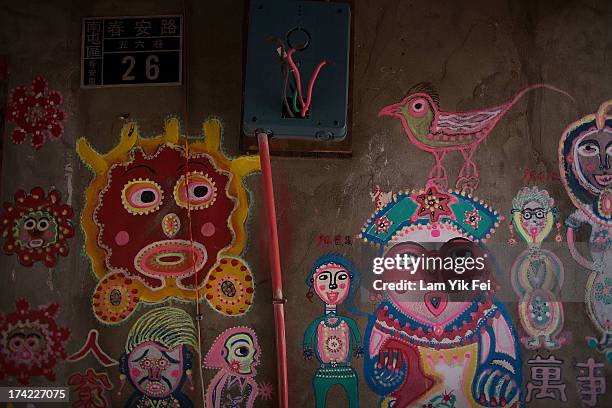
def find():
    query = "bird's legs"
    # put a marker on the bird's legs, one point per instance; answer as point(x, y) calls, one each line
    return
point(437, 174)
point(468, 175)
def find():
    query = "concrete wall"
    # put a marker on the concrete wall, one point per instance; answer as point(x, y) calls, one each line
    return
point(476, 53)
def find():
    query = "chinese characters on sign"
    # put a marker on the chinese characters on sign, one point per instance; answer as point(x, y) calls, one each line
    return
point(119, 51)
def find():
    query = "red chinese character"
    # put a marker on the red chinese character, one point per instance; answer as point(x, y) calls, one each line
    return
point(89, 389)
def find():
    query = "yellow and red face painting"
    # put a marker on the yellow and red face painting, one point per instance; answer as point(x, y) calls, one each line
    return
point(164, 217)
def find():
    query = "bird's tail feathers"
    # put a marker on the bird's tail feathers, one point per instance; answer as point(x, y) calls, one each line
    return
point(530, 88)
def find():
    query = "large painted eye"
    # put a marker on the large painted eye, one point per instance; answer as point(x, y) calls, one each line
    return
point(16, 343)
point(322, 277)
point(342, 276)
point(195, 190)
point(242, 351)
point(29, 224)
point(588, 149)
point(418, 107)
point(141, 196)
point(162, 363)
point(146, 363)
point(43, 224)
point(33, 342)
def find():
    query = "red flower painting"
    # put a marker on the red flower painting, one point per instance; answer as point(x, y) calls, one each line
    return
point(37, 114)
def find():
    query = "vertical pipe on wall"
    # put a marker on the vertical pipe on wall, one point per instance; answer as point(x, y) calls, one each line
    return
point(275, 266)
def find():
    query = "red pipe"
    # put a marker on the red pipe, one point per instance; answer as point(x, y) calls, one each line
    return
point(277, 278)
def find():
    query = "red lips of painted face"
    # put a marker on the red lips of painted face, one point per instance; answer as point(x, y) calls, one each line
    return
point(332, 284)
point(603, 179)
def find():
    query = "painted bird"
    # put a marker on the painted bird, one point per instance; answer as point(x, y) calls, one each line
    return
point(438, 132)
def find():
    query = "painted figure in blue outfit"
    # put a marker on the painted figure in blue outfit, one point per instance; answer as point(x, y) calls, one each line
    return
point(333, 338)
point(432, 347)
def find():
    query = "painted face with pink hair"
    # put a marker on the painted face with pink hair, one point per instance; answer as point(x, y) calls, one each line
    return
point(236, 350)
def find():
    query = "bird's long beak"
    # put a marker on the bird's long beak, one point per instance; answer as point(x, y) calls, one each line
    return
point(390, 110)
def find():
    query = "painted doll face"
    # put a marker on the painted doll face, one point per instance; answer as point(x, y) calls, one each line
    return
point(26, 345)
point(152, 208)
point(241, 353)
point(593, 158)
point(155, 370)
point(534, 218)
point(332, 284)
point(36, 230)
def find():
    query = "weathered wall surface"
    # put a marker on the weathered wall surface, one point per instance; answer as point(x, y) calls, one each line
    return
point(477, 54)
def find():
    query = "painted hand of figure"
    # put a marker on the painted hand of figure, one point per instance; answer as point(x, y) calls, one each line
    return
point(494, 387)
point(308, 353)
point(358, 351)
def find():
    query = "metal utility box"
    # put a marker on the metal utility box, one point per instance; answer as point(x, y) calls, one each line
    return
point(318, 31)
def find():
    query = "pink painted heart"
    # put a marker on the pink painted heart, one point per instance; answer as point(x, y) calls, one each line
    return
point(436, 302)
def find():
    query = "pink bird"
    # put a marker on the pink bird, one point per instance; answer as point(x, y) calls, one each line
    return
point(438, 132)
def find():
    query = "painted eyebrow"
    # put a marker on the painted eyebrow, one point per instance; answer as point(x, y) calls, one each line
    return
point(142, 356)
point(192, 162)
point(151, 169)
point(238, 341)
point(168, 357)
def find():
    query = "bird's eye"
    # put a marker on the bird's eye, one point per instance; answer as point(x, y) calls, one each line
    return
point(418, 107)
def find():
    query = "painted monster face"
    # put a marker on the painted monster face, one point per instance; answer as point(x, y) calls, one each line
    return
point(26, 344)
point(593, 158)
point(154, 205)
point(240, 353)
point(332, 283)
point(36, 230)
point(155, 370)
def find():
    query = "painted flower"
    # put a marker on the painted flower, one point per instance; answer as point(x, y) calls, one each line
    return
point(603, 291)
point(433, 203)
point(31, 342)
point(382, 224)
point(234, 366)
point(472, 218)
point(265, 391)
point(36, 114)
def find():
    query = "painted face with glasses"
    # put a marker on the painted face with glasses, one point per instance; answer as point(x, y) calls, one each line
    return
point(533, 214)
point(533, 217)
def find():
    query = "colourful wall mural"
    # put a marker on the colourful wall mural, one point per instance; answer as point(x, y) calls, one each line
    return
point(433, 347)
point(158, 358)
point(537, 274)
point(236, 354)
point(32, 343)
point(164, 217)
point(585, 151)
point(36, 227)
point(333, 339)
point(438, 132)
